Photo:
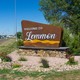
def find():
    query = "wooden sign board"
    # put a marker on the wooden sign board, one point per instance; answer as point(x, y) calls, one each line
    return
point(41, 35)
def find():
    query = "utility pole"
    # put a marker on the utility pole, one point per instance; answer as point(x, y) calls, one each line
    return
point(15, 19)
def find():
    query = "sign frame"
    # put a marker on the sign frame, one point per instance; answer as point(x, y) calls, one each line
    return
point(41, 35)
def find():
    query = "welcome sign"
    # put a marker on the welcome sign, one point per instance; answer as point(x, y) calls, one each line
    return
point(41, 35)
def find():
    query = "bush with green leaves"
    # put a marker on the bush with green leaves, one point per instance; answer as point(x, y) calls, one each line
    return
point(72, 61)
point(76, 51)
point(19, 35)
point(69, 53)
point(72, 41)
point(4, 57)
point(76, 45)
point(20, 42)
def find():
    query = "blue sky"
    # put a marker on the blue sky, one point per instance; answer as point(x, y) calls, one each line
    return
point(25, 10)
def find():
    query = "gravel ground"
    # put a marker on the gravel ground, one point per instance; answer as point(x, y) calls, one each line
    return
point(33, 63)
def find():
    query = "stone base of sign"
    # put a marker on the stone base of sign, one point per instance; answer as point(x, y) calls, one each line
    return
point(43, 52)
point(45, 48)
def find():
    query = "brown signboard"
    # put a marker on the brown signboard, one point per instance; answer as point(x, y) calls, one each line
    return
point(41, 35)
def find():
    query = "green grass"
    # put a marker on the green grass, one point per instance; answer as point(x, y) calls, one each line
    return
point(7, 74)
point(4, 71)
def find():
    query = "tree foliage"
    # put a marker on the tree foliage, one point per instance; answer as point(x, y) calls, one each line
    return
point(19, 35)
point(66, 11)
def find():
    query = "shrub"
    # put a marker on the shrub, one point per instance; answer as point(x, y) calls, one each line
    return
point(44, 63)
point(16, 65)
point(69, 53)
point(76, 51)
point(22, 59)
point(19, 35)
point(72, 61)
point(20, 42)
point(4, 57)
point(72, 41)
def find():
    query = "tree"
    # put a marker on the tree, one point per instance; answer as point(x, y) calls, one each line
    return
point(62, 11)
point(19, 35)
point(65, 13)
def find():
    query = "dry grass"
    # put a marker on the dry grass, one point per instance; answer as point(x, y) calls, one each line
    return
point(6, 47)
point(6, 42)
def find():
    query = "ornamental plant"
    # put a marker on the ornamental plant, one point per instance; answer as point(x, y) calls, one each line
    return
point(20, 42)
point(44, 63)
point(72, 61)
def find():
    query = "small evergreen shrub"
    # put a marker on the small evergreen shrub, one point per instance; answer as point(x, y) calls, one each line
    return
point(44, 63)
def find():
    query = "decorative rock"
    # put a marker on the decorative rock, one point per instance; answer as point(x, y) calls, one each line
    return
point(42, 53)
point(33, 63)
point(5, 65)
point(0, 60)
